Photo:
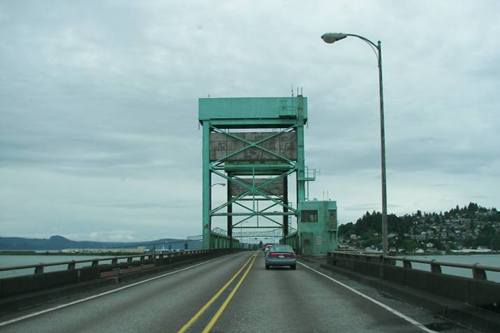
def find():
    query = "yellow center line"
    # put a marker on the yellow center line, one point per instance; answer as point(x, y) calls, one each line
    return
point(219, 312)
point(197, 315)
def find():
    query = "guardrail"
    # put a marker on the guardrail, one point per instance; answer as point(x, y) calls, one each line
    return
point(478, 271)
point(473, 290)
point(222, 241)
point(93, 269)
point(71, 265)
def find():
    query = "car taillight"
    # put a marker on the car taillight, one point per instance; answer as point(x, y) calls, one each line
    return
point(273, 254)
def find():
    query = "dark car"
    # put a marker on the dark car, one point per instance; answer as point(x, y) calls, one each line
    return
point(281, 255)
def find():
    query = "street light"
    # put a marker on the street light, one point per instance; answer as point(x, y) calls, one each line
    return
point(335, 37)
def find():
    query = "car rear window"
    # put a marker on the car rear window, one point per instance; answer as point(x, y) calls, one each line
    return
point(282, 248)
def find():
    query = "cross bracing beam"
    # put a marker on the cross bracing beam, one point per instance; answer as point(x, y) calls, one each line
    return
point(251, 209)
point(254, 213)
point(254, 169)
point(256, 227)
point(250, 216)
point(259, 210)
point(252, 189)
point(258, 198)
point(277, 232)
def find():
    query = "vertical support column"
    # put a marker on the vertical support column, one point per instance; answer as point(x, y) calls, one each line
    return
point(301, 196)
point(300, 165)
point(285, 208)
point(229, 216)
point(207, 188)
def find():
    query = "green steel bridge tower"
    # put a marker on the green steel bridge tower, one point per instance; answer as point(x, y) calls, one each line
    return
point(253, 146)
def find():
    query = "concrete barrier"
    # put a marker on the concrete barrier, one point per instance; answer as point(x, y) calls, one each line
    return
point(40, 280)
point(475, 291)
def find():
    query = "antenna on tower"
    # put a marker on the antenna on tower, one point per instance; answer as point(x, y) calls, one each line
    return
point(292, 89)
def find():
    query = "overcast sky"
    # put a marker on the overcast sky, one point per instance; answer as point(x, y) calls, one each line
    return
point(99, 137)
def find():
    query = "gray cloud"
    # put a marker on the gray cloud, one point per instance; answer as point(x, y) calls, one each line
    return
point(98, 105)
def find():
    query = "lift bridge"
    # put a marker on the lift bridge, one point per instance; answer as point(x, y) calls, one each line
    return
point(254, 147)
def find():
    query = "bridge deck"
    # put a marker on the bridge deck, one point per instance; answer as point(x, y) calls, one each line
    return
point(263, 301)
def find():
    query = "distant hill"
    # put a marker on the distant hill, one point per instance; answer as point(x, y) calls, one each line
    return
point(471, 226)
point(58, 243)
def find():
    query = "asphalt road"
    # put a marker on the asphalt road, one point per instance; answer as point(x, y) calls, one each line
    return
point(233, 293)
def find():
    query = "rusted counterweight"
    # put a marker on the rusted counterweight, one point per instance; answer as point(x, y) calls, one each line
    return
point(284, 145)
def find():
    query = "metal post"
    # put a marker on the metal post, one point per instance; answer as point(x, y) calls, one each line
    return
point(229, 216)
point(300, 165)
point(385, 243)
point(285, 207)
point(332, 38)
point(207, 189)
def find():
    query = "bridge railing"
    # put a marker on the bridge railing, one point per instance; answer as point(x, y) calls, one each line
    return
point(222, 241)
point(477, 271)
point(43, 276)
point(426, 275)
point(96, 262)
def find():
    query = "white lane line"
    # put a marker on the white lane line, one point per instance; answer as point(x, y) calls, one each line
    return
point(388, 308)
point(65, 305)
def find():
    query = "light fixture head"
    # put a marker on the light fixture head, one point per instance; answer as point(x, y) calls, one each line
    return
point(332, 37)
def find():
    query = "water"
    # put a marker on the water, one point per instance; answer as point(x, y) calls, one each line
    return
point(471, 259)
point(20, 260)
point(483, 259)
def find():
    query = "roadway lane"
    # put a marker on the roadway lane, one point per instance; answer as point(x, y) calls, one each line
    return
point(282, 300)
point(278, 300)
point(162, 305)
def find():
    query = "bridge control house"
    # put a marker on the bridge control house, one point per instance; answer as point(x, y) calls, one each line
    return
point(318, 227)
point(254, 147)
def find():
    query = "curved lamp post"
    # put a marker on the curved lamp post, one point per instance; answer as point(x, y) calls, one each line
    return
point(330, 38)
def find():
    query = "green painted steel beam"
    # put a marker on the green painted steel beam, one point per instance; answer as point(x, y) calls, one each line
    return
point(206, 187)
point(253, 189)
point(254, 214)
point(251, 192)
point(271, 170)
point(255, 227)
point(257, 199)
point(250, 216)
point(251, 109)
point(263, 123)
point(249, 167)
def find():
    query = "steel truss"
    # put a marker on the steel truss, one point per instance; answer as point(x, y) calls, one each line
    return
point(253, 177)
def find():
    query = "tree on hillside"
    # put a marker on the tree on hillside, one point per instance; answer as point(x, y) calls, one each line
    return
point(495, 242)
